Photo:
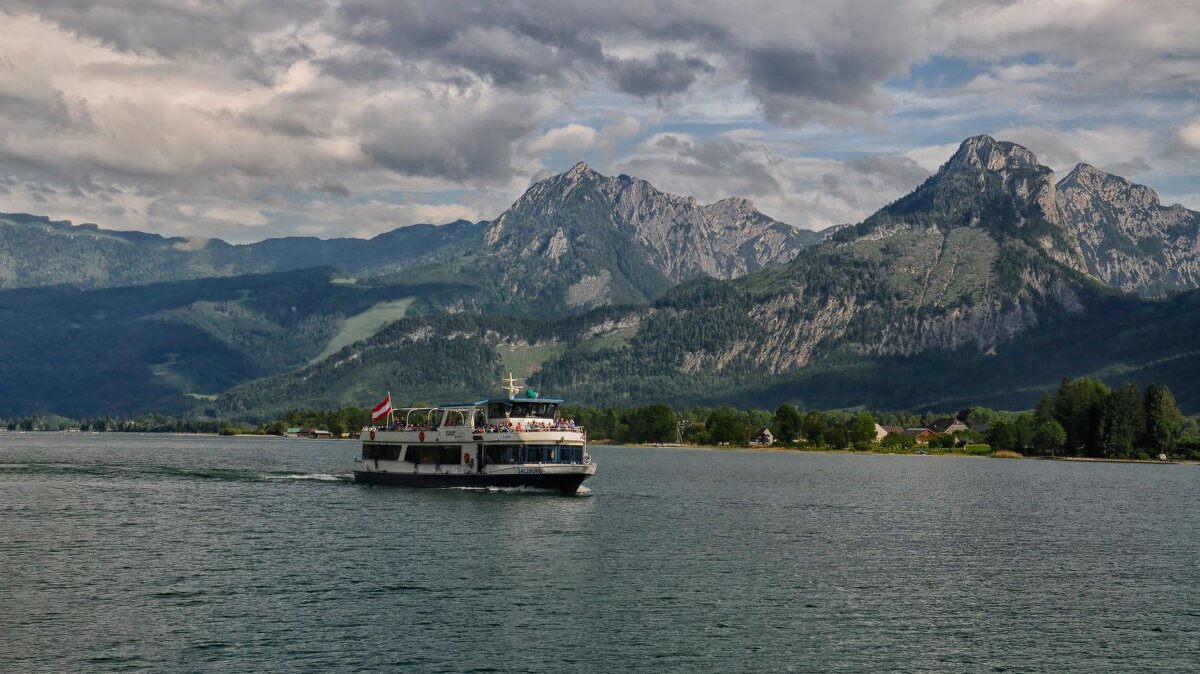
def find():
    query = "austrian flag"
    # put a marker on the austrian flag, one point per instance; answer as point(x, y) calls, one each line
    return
point(382, 409)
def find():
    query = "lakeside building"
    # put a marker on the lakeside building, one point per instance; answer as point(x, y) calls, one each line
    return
point(920, 434)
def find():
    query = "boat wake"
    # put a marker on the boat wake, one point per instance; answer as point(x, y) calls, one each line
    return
point(106, 471)
point(583, 491)
point(314, 477)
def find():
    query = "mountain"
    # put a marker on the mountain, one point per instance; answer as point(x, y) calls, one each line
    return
point(974, 288)
point(580, 239)
point(36, 251)
point(970, 289)
point(1128, 238)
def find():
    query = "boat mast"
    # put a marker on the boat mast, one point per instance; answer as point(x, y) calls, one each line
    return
point(511, 385)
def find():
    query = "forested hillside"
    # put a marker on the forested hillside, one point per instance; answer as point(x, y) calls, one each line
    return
point(36, 251)
point(156, 347)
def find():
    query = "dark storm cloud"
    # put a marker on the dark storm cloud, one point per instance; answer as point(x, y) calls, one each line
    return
point(796, 86)
point(667, 73)
point(840, 78)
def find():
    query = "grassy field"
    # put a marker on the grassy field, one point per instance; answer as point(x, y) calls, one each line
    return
point(619, 337)
point(523, 361)
point(361, 326)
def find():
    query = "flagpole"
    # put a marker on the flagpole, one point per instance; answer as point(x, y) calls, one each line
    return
point(391, 408)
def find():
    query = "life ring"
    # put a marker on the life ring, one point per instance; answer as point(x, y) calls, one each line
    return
point(422, 436)
point(467, 457)
point(372, 433)
point(518, 428)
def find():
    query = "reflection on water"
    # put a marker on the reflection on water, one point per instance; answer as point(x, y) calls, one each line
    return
point(183, 553)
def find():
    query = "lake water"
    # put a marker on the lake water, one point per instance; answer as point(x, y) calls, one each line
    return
point(165, 553)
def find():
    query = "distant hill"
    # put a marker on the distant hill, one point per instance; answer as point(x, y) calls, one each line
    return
point(36, 251)
point(163, 347)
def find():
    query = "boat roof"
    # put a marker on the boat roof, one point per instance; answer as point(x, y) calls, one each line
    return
point(485, 401)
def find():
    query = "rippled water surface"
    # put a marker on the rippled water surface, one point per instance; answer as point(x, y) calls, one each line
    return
point(163, 553)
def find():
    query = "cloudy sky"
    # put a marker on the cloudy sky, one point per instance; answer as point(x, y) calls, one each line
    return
point(246, 119)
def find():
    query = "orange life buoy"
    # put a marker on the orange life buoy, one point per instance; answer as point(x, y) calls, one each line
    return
point(422, 436)
point(372, 433)
point(467, 457)
point(518, 428)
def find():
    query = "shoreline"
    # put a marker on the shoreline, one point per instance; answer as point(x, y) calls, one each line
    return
point(866, 452)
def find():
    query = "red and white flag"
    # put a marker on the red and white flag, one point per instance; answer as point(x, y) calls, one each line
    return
point(382, 409)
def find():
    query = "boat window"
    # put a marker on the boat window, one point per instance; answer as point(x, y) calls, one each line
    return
point(538, 410)
point(434, 454)
point(376, 450)
point(510, 454)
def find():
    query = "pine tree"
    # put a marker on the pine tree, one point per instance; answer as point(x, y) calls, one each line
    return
point(1078, 406)
point(1164, 422)
point(1122, 422)
point(1044, 411)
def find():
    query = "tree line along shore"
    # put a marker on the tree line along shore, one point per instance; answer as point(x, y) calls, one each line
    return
point(1082, 418)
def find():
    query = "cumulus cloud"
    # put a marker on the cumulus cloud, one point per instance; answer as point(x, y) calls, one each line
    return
point(264, 116)
point(571, 138)
point(1117, 149)
point(807, 192)
point(452, 135)
point(1189, 136)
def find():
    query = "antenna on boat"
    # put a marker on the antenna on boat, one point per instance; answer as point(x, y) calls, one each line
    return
point(511, 385)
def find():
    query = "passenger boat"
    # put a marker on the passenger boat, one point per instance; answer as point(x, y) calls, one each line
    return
point(513, 441)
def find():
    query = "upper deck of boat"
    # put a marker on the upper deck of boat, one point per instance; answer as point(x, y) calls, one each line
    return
point(541, 434)
point(527, 418)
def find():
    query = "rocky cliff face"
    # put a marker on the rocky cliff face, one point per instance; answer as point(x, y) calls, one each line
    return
point(618, 238)
point(1128, 239)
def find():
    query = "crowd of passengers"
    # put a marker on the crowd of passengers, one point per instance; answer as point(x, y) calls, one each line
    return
point(553, 425)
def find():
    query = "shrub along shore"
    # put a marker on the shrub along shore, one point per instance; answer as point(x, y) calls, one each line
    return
point(1082, 419)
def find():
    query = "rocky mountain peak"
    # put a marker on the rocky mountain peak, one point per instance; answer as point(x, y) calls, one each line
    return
point(1128, 238)
point(579, 168)
point(622, 231)
point(1101, 183)
point(991, 185)
point(733, 207)
point(985, 153)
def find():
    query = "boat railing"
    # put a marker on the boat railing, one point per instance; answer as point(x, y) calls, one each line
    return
point(506, 428)
point(534, 427)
